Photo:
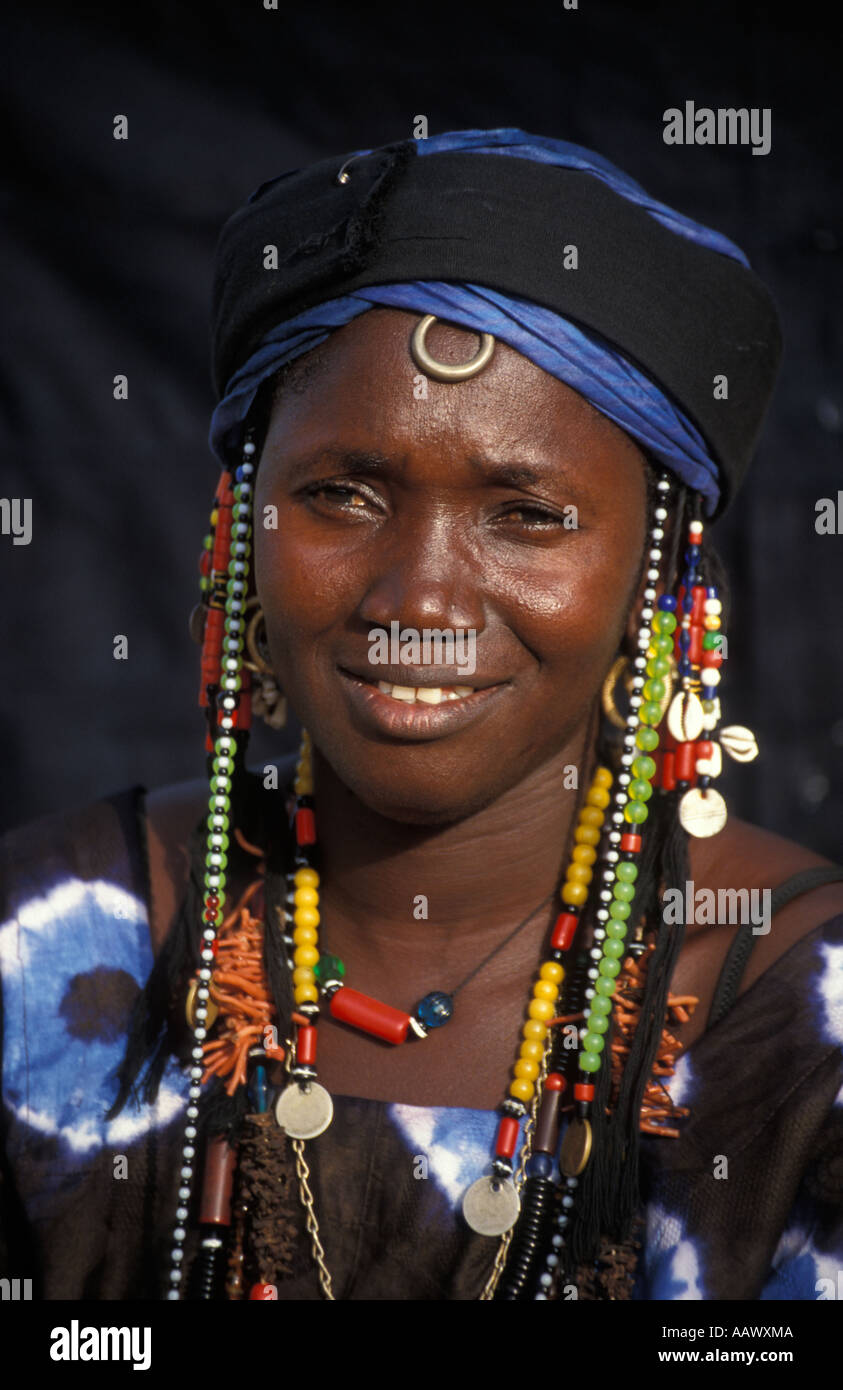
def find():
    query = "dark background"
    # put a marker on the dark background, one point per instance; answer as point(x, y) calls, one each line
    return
point(106, 265)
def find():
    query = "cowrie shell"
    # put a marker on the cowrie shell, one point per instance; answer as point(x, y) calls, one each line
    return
point(702, 813)
point(685, 716)
point(740, 743)
point(713, 766)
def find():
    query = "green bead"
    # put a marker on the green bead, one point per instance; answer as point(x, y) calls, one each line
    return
point(590, 1061)
point(653, 689)
point(645, 768)
point(664, 622)
point(635, 812)
point(219, 889)
point(619, 909)
point(626, 871)
point(608, 968)
point(328, 967)
point(223, 837)
point(639, 790)
point(708, 706)
point(623, 892)
point(712, 641)
point(601, 1007)
point(616, 930)
point(596, 1023)
point(650, 712)
point(212, 800)
point(658, 666)
point(223, 864)
point(593, 1042)
point(208, 542)
point(662, 644)
point(647, 739)
point(604, 986)
point(613, 950)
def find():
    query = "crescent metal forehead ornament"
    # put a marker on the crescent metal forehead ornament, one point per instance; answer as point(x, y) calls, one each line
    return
point(443, 371)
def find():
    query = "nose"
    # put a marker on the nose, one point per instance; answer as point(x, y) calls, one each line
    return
point(424, 576)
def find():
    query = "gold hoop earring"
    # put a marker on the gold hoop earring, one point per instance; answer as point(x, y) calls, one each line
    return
point(621, 667)
point(268, 700)
point(443, 371)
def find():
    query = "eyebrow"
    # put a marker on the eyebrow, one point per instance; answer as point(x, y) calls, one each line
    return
point(370, 463)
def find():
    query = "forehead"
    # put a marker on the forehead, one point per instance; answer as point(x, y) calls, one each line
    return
point(364, 381)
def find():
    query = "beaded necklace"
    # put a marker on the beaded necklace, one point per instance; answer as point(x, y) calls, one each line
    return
point(494, 1202)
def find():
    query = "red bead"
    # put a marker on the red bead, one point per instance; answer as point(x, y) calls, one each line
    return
point(507, 1137)
point(554, 1082)
point(583, 1090)
point(306, 1046)
point(698, 610)
point(630, 843)
point(210, 914)
point(369, 1015)
point(305, 826)
point(686, 757)
point(215, 1206)
point(211, 900)
point(704, 748)
point(564, 931)
point(668, 782)
point(264, 1292)
point(712, 659)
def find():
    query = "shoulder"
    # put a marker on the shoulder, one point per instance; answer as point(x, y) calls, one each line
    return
point(744, 856)
point(172, 814)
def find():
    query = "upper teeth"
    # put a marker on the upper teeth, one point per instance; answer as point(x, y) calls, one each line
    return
point(429, 695)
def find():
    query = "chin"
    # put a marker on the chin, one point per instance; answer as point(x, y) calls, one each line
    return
point(436, 797)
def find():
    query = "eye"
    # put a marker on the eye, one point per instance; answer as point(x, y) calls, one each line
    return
point(534, 517)
point(341, 496)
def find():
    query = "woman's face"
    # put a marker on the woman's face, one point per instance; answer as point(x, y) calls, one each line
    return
point(443, 506)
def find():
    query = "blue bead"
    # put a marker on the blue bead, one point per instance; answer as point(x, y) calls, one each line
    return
point(435, 1009)
point(667, 603)
point(684, 639)
point(539, 1166)
point(711, 591)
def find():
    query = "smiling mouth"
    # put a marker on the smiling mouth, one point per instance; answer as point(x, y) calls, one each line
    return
point(417, 711)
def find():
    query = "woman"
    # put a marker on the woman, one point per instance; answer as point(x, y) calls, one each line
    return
point(480, 574)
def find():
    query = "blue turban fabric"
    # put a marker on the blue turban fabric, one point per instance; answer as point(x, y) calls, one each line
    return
point(579, 358)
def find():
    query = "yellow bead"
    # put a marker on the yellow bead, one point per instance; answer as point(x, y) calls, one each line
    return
point(598, 796)
point(302, 975)
point(306, 897)
point(587, 835)
point(711, 622)
point(532, 1051)
point(305, 955)
point(602, 778)
point(306, 878)
point(305, 936)
point(527, 1069)
point(541, 1009)
point(579, 873)
point(584, 854)
point(535, 1029)
point(306, 917)
point(545, 989)
point(552, 970)
point(591, 815)
point(306, 994)
point(303, 786)
point(574, 894)
point(522, 1089)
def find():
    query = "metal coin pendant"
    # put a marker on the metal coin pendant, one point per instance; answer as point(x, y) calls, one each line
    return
point(303, 1112)
point(575, 1149)
point(703, 813)
point(491, 1206)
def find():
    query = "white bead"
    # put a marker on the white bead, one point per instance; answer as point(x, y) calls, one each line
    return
point(624, 779)
point(652, 574)
point(649, 595)
point(186, 1171)
point(592, 973)
point(626, 759)
point(197, 1053)
point(614, 837)
point(657, 533)
point(712, 605)
point(181, 1213)
point(655, 554)
point(663, 485)
point(192, 1113)
point(661, 513)
point(202, 992)
point(612, 856)
point(605, 895)
point(175, 1277)
point(638, 682)
point(200, 1033)
point(179, 1234)
point(589, 993)
point(188, 1151)
point(635, 701)
point(172, 1295)
point(599, 934)
point(617, 817)
point(184, 1193)
point(696, 527)
point(602, 914)
point(710, 676)
point(640, 662)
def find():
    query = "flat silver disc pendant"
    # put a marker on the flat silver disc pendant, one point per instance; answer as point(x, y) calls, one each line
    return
point(491, 1209)
point(703, 813)
point(304, 1113)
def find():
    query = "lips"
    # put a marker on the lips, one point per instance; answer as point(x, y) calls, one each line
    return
point(421, 710)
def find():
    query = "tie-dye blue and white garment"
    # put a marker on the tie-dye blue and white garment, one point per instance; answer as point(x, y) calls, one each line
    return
point(88, 1205)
